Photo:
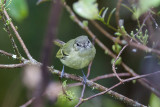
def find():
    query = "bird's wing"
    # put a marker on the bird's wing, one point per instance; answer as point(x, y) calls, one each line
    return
point(65, 49)
point(59, 54)
point(68, 47)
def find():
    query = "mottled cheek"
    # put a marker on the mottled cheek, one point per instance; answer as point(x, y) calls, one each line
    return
point(90, 45)
point(86, 44)
point(75, 47)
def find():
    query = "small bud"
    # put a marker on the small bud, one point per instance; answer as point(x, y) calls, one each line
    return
point(118, 62)
point(85, 23)
point(117, 34)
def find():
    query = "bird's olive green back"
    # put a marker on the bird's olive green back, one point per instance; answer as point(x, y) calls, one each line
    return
point(65, 49)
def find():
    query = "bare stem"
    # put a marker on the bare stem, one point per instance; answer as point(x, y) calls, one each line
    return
point(6, 53)
point(28, 102)
point(2, 66)
point(101, 77)
point(113, 65)
point(110, 76)
point(81, 98)
point(96, 86)
point(143, 24)
point(116, 85)
point(84, 87)
point(136, 45)
point(89, 69)
point(107, 34)
point(117, 12)
point(18, 36)
point(22, 59)
point(15, 48)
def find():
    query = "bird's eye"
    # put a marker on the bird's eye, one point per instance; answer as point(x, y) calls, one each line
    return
point(77, 44)
point(88, 41)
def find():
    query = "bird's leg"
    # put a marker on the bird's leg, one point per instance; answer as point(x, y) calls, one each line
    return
point(62, 73)
point(84, 78)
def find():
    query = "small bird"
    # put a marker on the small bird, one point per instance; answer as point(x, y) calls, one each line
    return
point(76, 53)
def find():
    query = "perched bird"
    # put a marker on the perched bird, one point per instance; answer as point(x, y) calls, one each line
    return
point(76, 53)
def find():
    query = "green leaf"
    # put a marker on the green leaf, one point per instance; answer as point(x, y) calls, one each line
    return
point(116, 48)
point(87, 9)
point(63, 100)
point(100, 12)
point(154, 101)
point(145, 5)
point(17, 9)
point(118, 62)
point(64, 83)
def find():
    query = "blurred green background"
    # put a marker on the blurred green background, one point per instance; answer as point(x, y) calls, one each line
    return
point(31, 20)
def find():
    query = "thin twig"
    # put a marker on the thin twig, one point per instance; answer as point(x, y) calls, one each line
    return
point(117, 12)
point(93, 85)
point(126, 80)
point(107, 34)
point(100, 78)
point(13, 56)
point(113, 65)
point(84, 86)
point(110, 75)
point(2, 66)
point(28, 102)
point(99, 87)
point(81, 98)
point(89, 69)
point(156, 24)
point(144, 21)
point(15, 48)
point(144, 82)
point(6, 53)
point(144, 48)
point(18, 37)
